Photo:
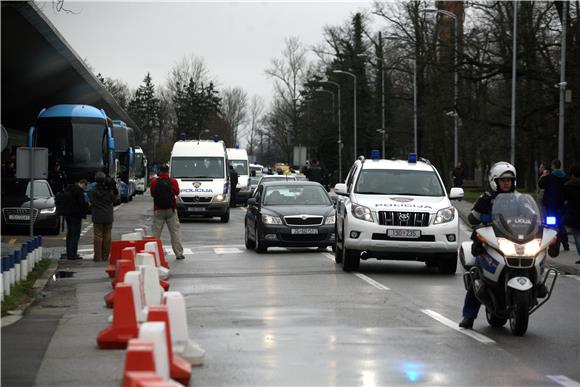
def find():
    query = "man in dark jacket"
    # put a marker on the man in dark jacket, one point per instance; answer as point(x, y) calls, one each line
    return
point(101, 199)
point(233, 186)
point(57, 178)
point(74, 213)
point(554, 198)
point(572, 204)
point(457, 175)
point(315, 172)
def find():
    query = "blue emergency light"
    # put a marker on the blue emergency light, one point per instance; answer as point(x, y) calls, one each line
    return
point(215, 137)
point(551, 220)
point(412, 158)
point(375, 154)
point(182, 136)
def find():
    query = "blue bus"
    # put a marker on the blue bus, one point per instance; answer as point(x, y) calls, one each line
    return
point(141, 171)
point(125, 154)
point(79, 137)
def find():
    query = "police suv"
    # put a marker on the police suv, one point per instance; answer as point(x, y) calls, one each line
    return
point(397, 210)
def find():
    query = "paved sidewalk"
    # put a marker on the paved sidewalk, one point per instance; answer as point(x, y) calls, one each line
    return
point(564, 263)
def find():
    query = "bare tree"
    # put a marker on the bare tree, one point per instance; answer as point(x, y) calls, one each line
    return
point(256, 109)
point(188, 68)
point(234, 110)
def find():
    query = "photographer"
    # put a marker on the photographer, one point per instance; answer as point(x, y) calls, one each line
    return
point(101, 199)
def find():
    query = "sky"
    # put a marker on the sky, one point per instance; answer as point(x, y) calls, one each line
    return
point(237, 40)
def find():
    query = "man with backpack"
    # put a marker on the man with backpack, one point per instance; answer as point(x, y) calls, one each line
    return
point(163, 190)
point(71, 204)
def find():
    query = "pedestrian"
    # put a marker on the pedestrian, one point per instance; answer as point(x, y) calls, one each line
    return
point(572, 205)
point(315, 172)
point(553, 199)
point(542, 171)
point(502, 179)
point(233, 186)
point(164, 189)
point(57, 178)
point(458, 174)
point(102, 198)
point(71, 204)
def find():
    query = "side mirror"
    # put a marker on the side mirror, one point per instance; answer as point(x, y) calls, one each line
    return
point(251, 202)
point(456, 193)
point(340, 189)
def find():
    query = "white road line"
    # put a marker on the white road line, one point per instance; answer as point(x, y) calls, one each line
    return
point(453, 325)
point(329, 256)
point(563, 380)
point(371, 281)
point(227, 250)
point(119, 206)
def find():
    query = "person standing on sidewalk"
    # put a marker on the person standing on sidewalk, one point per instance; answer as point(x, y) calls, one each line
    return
point(457, 175)
point(164, 190)
point(74, 209)
point(233, 186)
point(572, 205)
point(554, 198)
point(101, 199)
point(502, 179)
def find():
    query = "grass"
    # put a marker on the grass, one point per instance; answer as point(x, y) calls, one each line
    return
point(22, 292)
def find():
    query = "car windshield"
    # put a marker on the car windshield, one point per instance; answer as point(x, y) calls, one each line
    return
point(22, 187)
point(197, 167)
point(398, 182)
point(296, 195)
point(240, 166)
point(515, 216)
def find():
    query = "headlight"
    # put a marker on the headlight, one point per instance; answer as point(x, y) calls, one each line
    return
point(506, 247)
point(362, 212)
point(330, 220)
point(219, 198)
point(530, 249)
point(267, 219)
point(445, 215)
point(50, 210)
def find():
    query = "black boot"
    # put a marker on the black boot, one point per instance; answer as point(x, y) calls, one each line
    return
point(467, 322)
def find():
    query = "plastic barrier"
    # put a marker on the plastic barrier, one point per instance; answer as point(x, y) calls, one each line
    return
point(141, 232)
point(135, 279)
point(179, 369)
point(154, 248)
point(140, 356)
point(118, 246)
point(162, 260)
point(155, 331)
point(152, 289)
point(140, 378)
point(123, 266)
point(182, 344)
point(132, 236)
point(124, 326)
point(148, 258)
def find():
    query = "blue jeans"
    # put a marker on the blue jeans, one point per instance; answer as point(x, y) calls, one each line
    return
point(73, 234)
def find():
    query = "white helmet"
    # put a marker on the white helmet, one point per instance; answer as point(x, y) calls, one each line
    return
point(501, 170)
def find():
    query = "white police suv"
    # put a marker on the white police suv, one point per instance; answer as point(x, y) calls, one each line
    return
point(398, 210)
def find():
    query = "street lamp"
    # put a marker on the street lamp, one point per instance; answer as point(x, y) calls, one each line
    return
point(321, 90)
point(455, 81)
point(354, 80)
point(339, 129)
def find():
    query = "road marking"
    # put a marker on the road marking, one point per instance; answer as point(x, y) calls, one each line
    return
point(119, 206)
point(227, 250)
point(563, 380)
point(186, 251)
point(453, 325)
point(329, 256)
point(371, 281)
point(86, 229)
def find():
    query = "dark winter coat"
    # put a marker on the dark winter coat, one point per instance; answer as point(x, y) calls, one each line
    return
point(572, 203)
point(552, 185)
point(102, 199)
point(77, 207)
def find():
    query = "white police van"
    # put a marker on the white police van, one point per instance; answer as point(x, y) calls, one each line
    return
point(238, 159)
point(201, 169)
point(396, 210)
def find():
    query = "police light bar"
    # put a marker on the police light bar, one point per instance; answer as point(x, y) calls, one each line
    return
point(216, 137)
point(551, 220)
point(375, 154)
point(182, 136)
point(412, 158)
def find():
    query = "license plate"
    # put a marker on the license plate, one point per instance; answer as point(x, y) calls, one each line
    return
point(196, 209)
point(411, 234)
point(19, 217)
point(304, 231)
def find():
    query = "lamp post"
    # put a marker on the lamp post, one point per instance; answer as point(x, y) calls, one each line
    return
point(339, 129)
point(562, 84)
point(455, 82)
point(321, 90)
point(514, 57)
point(354, 80)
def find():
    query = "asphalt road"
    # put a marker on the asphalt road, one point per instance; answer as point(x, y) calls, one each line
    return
point(293, 317)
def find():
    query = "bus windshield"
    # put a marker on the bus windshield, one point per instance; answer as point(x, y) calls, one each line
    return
point(139, 165)
point(197, 167)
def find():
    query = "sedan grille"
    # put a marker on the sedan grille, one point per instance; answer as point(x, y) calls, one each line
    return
point(303, 220)
point(19, 215)
point(409, 219)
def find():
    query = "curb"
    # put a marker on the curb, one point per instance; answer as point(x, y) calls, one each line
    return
point(39, 285)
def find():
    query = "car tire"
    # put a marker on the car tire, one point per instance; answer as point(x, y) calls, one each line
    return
point(250, 244)
point(260, 249)
point(350, 259)
point(225, 217)
point(337, 251)
point(447, 263)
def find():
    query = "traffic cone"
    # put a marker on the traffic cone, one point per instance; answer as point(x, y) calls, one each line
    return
point(124, 326)
point(179, 369)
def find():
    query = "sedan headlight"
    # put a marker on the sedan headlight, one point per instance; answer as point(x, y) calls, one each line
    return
point(362, 212)
point(330, 220)
point(445, 215)
point(508, 248)
point(219, 198)
point(49, 210)
point(268, 219)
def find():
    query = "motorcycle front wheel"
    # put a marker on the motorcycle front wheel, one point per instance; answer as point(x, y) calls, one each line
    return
point(520, 314)
point(494, 320)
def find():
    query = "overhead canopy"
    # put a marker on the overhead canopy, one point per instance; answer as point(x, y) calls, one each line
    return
point(40, 69)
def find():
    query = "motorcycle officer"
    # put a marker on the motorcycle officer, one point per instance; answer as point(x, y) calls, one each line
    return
point(502, 179)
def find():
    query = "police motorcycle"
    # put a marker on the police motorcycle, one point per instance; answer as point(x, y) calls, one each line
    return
point(509, 276)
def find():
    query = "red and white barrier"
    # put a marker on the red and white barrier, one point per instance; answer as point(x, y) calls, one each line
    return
point(182, 344)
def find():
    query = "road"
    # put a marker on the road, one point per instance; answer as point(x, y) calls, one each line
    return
point(293, 317)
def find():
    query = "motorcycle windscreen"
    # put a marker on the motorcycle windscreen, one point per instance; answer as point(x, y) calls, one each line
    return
point(516, 217)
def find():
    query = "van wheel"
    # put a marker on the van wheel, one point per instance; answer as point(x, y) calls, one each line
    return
point(225, 217)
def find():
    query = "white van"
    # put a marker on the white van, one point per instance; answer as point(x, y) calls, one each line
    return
point(238, 158)
point(201, 169)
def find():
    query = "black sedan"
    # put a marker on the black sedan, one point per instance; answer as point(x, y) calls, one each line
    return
point(289, 214)
point(16, 206)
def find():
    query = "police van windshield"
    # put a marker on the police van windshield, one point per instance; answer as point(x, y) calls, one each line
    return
point(398, 182)
point(197, 167)
point(240, 166)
